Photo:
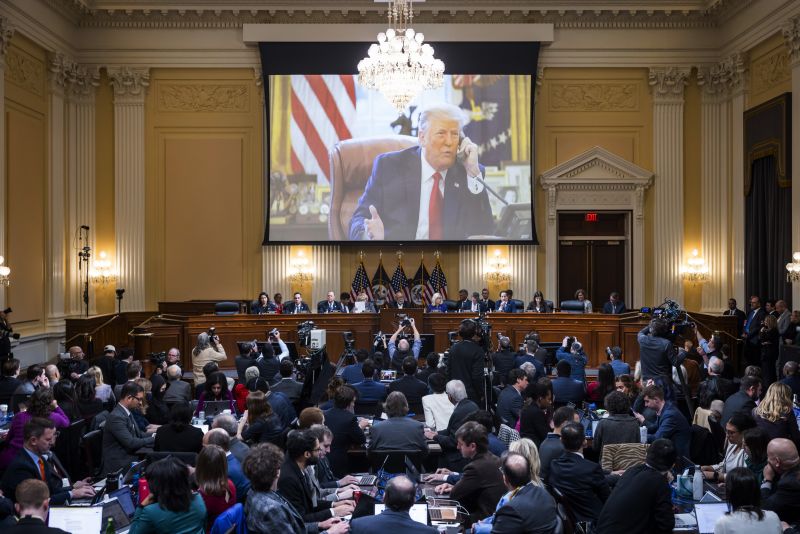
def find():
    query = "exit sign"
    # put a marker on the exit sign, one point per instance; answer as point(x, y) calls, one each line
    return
point(590, 217)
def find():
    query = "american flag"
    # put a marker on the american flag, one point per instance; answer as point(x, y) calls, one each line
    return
point(437, 282)
point(381, 291)
point(360, 281)
point(419, 289)
point(322, 108)
point(400, 282)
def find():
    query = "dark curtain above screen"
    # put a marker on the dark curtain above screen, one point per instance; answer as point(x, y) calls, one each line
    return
point(768, 233)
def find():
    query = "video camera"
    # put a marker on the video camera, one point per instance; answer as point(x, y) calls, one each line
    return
point(6, 331)
point(349, 339)
point(671, 312)
point(158, 358)
point(304, 333)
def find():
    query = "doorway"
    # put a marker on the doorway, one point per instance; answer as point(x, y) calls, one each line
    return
point(594, 254)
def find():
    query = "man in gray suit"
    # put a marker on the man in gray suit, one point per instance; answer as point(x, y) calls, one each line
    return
point(398, 432)
point(177, 389)
point(228, 423)
point(121, 437)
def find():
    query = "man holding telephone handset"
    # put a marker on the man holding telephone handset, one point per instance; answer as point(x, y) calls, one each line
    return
point(432, 191)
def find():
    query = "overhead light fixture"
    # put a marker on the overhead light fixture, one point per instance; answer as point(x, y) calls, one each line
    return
point(300, 270)
point(792, 269)
point(498, 270)
point(695, 271)
point(401, 65)
point(5, 273)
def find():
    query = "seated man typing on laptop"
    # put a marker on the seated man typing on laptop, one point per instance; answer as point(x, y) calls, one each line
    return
point(399, 496)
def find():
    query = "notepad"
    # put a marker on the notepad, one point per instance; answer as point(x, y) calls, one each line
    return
point(707, 515)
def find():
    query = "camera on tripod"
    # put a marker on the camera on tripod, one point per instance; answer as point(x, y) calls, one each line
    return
point(349, 340)
point(671, 313)
point(304, 333)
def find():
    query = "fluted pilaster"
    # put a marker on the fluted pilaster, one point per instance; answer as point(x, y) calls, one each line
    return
point(738, 99)
point(276, 265)
point(327, 271)
point(522, 261)
point(667, 84)
point(717, 82)
point(791, 35)
point(80, 83)
point(130, 89)
point(6, 32)
point(471, 263)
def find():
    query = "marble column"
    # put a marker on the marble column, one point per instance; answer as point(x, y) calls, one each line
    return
point(716, 82)
point(522, 262)
point(6, 32)
point(130, 89)
point(80, 85)
point(667, 84)
point(791, 35)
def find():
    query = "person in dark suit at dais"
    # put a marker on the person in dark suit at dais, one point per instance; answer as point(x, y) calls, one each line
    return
point(426, 192)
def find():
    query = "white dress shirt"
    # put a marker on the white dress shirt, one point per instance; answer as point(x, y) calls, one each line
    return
point(425, 195)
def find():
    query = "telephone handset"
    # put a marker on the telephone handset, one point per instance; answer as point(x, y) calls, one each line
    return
point(475, 186)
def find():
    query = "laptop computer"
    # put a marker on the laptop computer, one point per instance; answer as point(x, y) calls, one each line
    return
point(707, 515)
point(411, 471)
point(418, 512)
point(87, 519)
point(113, 509)
point(388, 375)
point(135, 468)
point(123, 496)
point(214, 408)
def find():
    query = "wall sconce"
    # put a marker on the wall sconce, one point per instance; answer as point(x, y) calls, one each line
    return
point(792, 269)
point(102, 272)
point(498, 270)
point(300, 271)
point(695, 271)
point(5, 273)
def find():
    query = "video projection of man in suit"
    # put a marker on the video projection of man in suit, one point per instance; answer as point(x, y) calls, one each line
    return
point(423, 192)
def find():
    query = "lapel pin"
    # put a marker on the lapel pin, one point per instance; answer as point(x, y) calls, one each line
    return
point(456, 184)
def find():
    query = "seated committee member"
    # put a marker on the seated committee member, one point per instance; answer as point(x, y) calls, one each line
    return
point(587, 304)
point(474, 304)
point(539, 305)
point(426, 192)
point(262, 305)
point(296, 306)
point(362, 303)
point(121, 437)
point(614, 304)
point(400, 301)
point(330, 304)
point(505, 304)
point(398, 432)
point(437, 304)
point(399, 496)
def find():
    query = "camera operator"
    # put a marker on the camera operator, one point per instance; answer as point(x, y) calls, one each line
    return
point(466, 361)
point(399, 350)
point(658, 355)
point(502, 360)
point(74, 366)
point(208, 350)
point(6, 333)
point(173, 357)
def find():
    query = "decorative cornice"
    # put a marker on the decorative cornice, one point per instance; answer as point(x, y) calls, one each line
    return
point(667, 83)
point(791, 36)
point(6, 33)
point(129, 83)
point(720, 80)
point(171, 14)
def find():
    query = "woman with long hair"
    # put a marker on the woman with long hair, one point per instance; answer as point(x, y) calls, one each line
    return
point(211, 475)
point(42, 404)
point(627, 385)
point(774, 414)
point(734, 448)
point(64, 393)
point(539, 304)
point(171, 506)
point(157, 409)
point(178, 435)
point(88, 403)
point(258, 423)
point(744, 500)
point(605, 384)
point(528, 449)
point(216, 389)
point(102, 391)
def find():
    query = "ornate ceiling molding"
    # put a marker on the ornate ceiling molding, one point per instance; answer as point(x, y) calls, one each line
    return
point(791, 35)
point(225, 15)
point(6, 33)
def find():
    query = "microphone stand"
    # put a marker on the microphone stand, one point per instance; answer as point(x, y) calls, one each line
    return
point(84, 253)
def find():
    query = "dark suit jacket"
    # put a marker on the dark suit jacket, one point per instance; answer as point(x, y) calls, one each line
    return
point(509, 404)
point(516, 517)
point(121, 439)
point(467, 306)
point(410, 386)
point(619, 307)
point(511, 306)
point(389, 521)
point(784, 496)
point(406, 304)
point(503, 362)
point(466, 364)
point(398, 433)
point(549, 449)
point(739, 402)
point(480, 487)
point(32, 525)
point(322, 307)
point(178, 390)
point(640, 504)
point(297, 490)
point(741, 317)
point(566, 389)
point(289, 387)
point(346, 432)
point(394, 190)
point(188, 439)
point(22, 468)
point(447, 437)
point(108, 366)
point(671, 424)
point(753, 325)
point(352, 373)
point(289, 308)
point(582, 483)
point(533, 423)
point(546, 307)
point(370, 390)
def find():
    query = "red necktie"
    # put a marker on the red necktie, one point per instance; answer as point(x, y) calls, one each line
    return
point(41, 469)
point(435, 209)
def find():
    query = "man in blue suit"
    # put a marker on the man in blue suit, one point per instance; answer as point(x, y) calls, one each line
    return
point(368, 389)
point(330, 304)
point(398, 497)
point(474, 304)
point(505, 304)
point(752, 326)
point(670, 422)
point(428, 191)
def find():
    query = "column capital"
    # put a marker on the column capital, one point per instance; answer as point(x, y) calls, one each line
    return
point(791, 36)
point(720, 80)
point(667, 83)
point(77, 81)
point(57, 67)
point(6, 33)
point(130, 83)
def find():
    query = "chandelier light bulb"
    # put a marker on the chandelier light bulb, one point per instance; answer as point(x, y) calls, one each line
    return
point(795, 257)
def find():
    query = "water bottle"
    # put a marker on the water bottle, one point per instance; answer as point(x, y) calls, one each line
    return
point(110, 526)
point(643, 434)
point(697, 484)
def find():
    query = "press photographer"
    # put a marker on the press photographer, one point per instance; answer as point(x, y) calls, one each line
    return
point(72, 364)
point(398, 350)
point(6, 335)
point(466, 361)
point(208, 350)
point(658, 354)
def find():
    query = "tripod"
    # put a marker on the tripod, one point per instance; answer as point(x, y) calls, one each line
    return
point(84, 253)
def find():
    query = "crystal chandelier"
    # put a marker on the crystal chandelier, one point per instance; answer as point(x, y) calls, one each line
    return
point(696, 271)
point(102, 274)
point(793, 269)
point(5, 273)
point(400, 65)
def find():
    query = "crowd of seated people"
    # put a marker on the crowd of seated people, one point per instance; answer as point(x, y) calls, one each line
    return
point(573, 447)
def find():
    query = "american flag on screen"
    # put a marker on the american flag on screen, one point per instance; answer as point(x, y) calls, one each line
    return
point(360, 281)
point(436, 283)
point(322, 108)
point(400, 282)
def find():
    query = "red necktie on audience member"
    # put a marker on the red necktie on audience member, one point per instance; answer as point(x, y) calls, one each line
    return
point(435, 209)
point(41, 469)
